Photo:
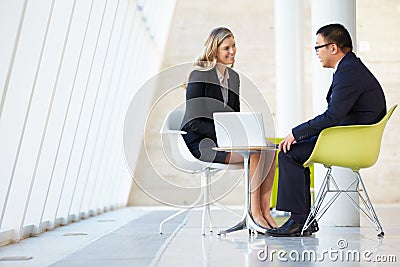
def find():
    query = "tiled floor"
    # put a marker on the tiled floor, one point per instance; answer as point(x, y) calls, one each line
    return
point(348, 246)
point(132, 239)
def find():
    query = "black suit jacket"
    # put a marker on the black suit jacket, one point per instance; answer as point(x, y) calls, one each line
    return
point(355, 97)
point(203, 98)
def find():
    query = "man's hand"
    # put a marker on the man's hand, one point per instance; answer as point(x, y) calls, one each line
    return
point(287, 142)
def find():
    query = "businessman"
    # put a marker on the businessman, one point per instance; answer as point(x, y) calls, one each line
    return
point(354, 97)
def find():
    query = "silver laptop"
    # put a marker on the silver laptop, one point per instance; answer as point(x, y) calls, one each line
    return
point(239, 129)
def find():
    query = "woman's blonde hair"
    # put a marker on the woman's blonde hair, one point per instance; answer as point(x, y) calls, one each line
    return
point(208, 58)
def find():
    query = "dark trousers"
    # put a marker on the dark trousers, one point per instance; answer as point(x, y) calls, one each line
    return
point(294, 180)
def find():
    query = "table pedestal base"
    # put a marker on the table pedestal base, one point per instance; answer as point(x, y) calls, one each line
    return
point(247, 221)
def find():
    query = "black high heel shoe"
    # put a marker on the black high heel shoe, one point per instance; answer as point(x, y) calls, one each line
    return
point(259, 225)
point(272, 226)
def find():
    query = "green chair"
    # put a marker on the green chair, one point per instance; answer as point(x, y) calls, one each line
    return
point(274, 193)
point(354, 147)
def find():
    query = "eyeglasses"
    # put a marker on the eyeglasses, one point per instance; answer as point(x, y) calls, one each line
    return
point(320, 46)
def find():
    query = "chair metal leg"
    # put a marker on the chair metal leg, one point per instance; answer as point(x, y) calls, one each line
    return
point(203, 218)
point(205, 184)
point(370, 207)
point(316, 212)
point(198, 200)
point(369, 211)
point(208, 212)
point(206, 199)
point(213, 201)
point(210, 200)
point(322, 193)
point(318, 202)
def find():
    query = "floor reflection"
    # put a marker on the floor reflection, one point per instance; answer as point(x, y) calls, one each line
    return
point(331, 246)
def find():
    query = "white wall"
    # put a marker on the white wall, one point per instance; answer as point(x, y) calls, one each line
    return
point(67, 72)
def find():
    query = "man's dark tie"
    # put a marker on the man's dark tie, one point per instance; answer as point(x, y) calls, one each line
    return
point(328, 96)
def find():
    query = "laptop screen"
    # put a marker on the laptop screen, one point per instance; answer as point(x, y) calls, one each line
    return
point(239, 129)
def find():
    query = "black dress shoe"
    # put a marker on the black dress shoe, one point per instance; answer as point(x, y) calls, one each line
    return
point(289, 228)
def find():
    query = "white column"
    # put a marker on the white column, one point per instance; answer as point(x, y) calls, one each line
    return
point(289, 28)
point(323, 12)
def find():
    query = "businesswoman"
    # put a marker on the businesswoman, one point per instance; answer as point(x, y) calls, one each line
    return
point(214, 87)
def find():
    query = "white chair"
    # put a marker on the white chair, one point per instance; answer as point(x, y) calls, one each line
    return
point(182, 159)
